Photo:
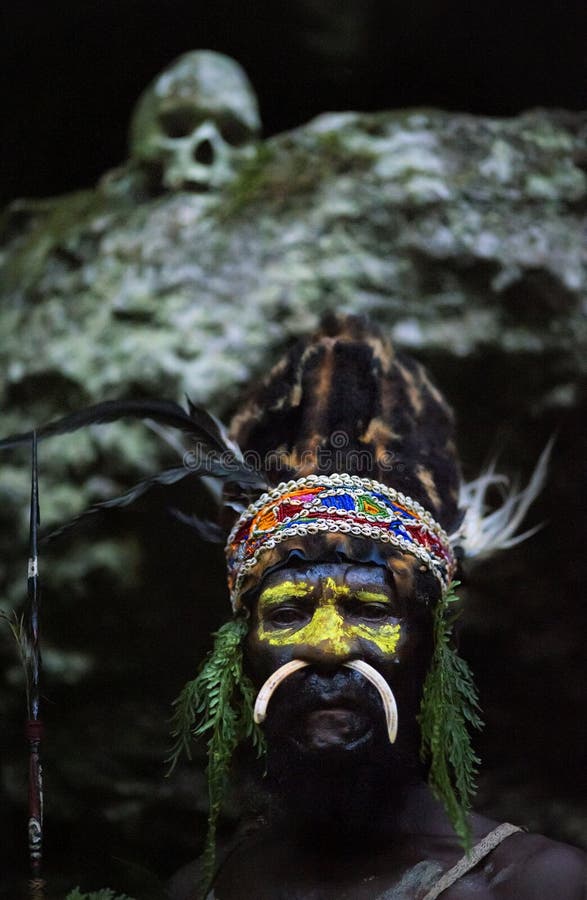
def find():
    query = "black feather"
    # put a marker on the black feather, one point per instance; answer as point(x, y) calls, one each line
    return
point(167, 477)
point(214, 453)
point(166, 412)
point(212, 427)
point(204, 528)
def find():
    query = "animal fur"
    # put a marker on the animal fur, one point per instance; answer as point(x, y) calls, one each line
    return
point(345, 400)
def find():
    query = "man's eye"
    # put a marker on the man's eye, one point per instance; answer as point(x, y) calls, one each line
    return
point(286, 615)
point(373, 612)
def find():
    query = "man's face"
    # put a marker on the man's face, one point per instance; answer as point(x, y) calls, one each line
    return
point(327, 614)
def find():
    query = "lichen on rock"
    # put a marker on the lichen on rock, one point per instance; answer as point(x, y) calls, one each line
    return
point(462, 235)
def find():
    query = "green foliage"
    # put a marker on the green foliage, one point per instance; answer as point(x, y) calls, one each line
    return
point(218, 702)
point(250, 184)
point(104, 894)
point(449, 706)
point(19, 632)
point(282, 171)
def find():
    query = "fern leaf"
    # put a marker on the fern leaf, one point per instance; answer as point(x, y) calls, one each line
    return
point(218, 702)
point(449, 705)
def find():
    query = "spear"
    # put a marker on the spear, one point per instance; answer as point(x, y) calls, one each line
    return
point(34, 725)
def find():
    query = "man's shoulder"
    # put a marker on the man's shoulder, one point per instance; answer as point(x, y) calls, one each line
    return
point(523, 867)
point(183, 885)
point(531, 866)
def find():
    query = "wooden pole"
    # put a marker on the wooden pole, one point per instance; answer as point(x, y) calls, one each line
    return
point(34, 727)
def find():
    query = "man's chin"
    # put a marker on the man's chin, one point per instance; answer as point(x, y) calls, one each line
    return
point(333, 731)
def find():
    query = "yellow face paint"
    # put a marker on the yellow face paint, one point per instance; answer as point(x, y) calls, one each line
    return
point(280, 593)
point(327, 629)
point(371, 597)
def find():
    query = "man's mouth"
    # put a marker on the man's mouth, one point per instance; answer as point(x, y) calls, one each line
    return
point(331, 720)
point(333, 728)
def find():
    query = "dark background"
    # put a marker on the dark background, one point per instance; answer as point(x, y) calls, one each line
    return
point(72, 72)
point(74, 68)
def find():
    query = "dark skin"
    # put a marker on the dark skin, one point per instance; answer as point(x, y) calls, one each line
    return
point(354, 818)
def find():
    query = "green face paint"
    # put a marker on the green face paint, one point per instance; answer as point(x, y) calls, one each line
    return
point(328, 627)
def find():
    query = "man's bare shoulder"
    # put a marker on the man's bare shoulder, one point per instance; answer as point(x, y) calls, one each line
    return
point(533, 866)
point(523, 867)
point(184, 884)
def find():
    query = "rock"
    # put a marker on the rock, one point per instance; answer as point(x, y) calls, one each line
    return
point(461, 234)
point(464, 236)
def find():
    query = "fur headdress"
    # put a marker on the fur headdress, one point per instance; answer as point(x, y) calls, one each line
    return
point(345, 403)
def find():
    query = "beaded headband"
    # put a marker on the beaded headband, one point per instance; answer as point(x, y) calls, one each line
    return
point(336, 503)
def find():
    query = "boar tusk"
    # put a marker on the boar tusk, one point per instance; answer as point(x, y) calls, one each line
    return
point(272, 683)
point(385, 692)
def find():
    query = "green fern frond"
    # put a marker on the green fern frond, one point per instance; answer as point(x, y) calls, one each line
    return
point(449, 706)
point(218, 702)
point(19, 632)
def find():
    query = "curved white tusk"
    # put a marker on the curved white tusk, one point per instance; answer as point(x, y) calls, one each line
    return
point(272, 683)
point(385, 692)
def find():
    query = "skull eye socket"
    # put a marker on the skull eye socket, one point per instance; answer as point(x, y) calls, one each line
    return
point(233, 132)
point(178, 123)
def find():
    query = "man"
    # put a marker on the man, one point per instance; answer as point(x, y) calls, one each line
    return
point(339, 658)
point(341, 579)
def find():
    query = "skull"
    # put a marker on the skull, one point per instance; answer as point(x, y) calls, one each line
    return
point(195, 122)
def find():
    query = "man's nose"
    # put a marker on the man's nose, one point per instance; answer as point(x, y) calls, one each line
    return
point(329, 641)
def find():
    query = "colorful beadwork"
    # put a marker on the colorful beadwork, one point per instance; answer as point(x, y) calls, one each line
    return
point(336, 503)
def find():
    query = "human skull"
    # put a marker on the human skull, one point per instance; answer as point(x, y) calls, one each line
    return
point(195, 122)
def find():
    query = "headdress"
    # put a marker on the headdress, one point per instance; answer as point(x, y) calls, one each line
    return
point(345, 448)
point(335, 504)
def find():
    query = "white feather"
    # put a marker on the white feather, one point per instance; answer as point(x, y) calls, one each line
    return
point(481, 532)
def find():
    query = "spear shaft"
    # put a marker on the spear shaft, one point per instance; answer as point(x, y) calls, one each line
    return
point(34, 726)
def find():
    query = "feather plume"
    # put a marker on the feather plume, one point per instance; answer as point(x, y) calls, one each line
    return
point(212, 426)
point(481, 532)
point(166, 412)
point(204, 528)
point(218, 455)
point(215, 456)
point(167, 477)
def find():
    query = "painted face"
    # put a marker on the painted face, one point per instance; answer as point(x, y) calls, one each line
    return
point(328, 614)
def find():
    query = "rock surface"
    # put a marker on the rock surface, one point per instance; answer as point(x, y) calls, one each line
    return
point(464, 236)
point(457, 232)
